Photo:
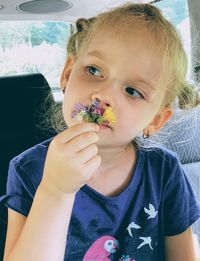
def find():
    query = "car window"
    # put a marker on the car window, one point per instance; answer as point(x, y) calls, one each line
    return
point(176, 11)
point(40, 46)
point(31, 47)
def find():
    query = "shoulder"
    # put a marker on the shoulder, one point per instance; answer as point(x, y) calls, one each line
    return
point(161, 166)
point(35, 152)
point(159, 156)
point(29, 164)
point(24, 176)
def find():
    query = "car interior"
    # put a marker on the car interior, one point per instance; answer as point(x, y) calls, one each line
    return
point(21, 116)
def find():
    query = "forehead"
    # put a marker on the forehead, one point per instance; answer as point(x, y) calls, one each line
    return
point(135, 48)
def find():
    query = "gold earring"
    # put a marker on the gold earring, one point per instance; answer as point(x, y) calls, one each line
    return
point(146, 135)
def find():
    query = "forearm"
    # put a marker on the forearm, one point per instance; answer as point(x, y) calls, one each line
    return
point(44, 234)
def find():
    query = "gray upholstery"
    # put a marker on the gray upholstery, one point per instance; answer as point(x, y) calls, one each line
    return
point(192, 171)
point(182, 135)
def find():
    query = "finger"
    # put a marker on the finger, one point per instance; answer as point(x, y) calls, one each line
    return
point(72, 132)
point(92, 165)
point(81, 142)
point(87, 153)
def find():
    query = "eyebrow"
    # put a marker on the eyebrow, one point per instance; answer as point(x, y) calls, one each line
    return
point(150, 84)
point(97, 54)
point(101, 55)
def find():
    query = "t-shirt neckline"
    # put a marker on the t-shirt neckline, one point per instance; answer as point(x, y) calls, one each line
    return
point(132, 186)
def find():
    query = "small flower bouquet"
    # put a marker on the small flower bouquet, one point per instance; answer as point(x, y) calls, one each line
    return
point(94, 113)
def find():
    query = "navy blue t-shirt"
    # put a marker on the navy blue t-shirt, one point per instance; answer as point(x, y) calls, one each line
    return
point(131, 226)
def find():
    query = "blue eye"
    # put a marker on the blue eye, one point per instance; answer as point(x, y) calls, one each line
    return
point(93, 71)
point(134, 93)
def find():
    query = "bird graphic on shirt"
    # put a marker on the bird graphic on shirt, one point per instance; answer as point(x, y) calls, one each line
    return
point(101, 249)
point(151, 211)
point(132, 225)
point(146, 241)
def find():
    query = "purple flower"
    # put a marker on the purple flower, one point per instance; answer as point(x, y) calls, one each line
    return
point(96, 110)
point(96, 102)
point(73, 114)
point(78, 107)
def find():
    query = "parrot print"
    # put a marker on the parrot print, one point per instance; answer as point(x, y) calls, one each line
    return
point(101, 249)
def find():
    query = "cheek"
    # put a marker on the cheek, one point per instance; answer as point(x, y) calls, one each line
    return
point(67, 106)
point(73, 95)
point(65, 111)
point(137, 119)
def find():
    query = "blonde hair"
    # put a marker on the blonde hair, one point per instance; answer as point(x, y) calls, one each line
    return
point(174, 56)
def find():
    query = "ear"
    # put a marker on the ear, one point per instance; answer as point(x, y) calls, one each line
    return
point(66, 72)
point(159, 121)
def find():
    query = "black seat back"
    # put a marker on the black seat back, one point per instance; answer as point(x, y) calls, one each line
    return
point(21, 96)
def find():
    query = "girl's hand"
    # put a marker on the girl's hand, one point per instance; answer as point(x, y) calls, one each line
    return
point(71, 159)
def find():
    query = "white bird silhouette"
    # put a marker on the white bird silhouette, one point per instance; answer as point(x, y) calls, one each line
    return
point(151, 211)
point(132, 225)
point(146, 241)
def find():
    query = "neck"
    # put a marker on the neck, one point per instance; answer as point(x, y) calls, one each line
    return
point(115, 157)
point(115, 171)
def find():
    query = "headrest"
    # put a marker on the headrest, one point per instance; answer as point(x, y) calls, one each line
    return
point(20, 97)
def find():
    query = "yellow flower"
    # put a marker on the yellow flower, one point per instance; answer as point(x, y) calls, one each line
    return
point(109, 115)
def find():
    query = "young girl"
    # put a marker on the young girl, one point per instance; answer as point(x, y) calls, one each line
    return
point(92, 193)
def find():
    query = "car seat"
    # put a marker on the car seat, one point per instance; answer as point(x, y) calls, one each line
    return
point(21, 109)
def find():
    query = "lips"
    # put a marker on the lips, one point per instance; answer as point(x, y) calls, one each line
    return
point(104, 126)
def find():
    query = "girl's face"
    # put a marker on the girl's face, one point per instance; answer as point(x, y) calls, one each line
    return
point(125, 72)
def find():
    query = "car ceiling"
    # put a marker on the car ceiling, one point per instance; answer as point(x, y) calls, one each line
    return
point(9, 9)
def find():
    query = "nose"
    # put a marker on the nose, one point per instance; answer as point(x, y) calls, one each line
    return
point(106, 98)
